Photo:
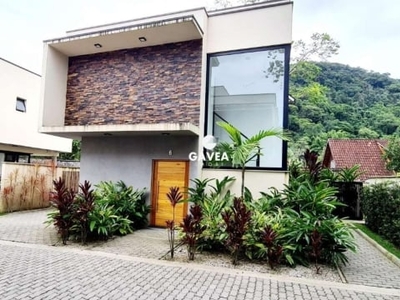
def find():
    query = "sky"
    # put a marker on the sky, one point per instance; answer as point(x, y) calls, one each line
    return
point(367, 30)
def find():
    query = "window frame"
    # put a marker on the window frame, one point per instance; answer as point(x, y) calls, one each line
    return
point(22, 100)
point(285, 125)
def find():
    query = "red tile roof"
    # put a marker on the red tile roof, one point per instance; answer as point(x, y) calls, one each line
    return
point(349, 152)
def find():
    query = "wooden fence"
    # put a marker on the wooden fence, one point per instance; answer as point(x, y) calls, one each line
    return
point(28, 186)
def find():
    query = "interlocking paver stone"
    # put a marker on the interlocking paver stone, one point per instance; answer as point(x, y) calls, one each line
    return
point(64, 273)
point(29, 271)
point(370, 267)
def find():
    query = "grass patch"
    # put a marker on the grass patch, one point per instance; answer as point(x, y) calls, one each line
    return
point(381, 241)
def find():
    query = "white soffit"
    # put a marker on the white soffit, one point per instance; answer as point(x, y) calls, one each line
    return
point(156, 33)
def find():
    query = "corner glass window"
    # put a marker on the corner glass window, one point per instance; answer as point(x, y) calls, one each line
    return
point(21, 105)
point(247, 90)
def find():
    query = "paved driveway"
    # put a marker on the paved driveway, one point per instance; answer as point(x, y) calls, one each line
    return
point(30, 271)
point(30, 268)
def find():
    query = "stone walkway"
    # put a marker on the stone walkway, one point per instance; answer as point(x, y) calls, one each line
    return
point(370, 267)
point(128, 267)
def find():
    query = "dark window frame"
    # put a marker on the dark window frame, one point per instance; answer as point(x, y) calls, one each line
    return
point(23, 101)
point(285, 125)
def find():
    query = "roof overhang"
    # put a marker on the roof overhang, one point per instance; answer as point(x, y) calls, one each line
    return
point(27, 150)
point(127, 36)
point(77, 132)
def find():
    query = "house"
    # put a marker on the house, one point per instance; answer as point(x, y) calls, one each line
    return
point(19, 117)
point(345, 153)
point(142, 94)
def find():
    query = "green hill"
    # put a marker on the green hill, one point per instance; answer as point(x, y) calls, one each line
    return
point(338, 101)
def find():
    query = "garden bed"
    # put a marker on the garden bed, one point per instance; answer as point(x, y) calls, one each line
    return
point(222, 260)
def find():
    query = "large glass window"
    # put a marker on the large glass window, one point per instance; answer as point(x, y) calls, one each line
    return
point(247, 90)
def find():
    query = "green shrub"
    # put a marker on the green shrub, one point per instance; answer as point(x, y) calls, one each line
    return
point(212, 205)
point(126, 202)
point(104, 222)
point(381, 209)
point(110, 209)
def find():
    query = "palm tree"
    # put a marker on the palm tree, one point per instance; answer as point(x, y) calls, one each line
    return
point(242, 150)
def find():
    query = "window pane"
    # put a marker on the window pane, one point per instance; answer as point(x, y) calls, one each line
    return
point(20, 105)
point(247, 91)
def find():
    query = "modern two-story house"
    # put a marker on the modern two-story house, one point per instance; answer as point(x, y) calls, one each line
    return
point(142, 94)
point(19, 117)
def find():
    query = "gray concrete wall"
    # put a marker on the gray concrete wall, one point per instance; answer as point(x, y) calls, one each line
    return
point(130, 158)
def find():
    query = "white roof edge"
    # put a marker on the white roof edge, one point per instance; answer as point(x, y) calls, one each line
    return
point(246, 7)
point(127, 22)
point(121, 128)
point(126, 27)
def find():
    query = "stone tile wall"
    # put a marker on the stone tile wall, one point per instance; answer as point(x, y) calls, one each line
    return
point(159, 84)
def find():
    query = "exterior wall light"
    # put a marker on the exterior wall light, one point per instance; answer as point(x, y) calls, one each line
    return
point(142, 39)
point(97, 45)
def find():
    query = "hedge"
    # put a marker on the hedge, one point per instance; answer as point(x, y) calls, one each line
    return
point(381, 209)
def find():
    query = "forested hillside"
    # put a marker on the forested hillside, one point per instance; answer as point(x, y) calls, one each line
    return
point(338, 101)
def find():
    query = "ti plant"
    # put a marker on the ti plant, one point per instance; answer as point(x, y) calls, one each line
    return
point(174, 196)
point(85, 204)
point(192, 229)
point(237, 219)
point(62, 199)
point(316, 248)
point(312, 165)
point(273, 249)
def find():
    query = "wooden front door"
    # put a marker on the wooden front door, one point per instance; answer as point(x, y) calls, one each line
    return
point(166, 174)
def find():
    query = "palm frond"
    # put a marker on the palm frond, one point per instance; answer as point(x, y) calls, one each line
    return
point(232, 131)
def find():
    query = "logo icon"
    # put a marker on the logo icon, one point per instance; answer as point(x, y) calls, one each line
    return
point(209, 142)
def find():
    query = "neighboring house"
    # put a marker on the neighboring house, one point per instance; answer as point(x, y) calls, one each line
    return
point(142, 94)
point(345, 153)
point(19, 117)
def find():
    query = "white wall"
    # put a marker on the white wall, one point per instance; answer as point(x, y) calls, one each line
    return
point(54, 87)
point(21, 128)
point(376, 180)
point(255, 180)
point(249, 29)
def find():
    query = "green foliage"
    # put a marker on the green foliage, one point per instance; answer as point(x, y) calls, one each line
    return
point(75, 154)
point(338, 101)
point(295, 225)
point(241, 150)
point(198, 192)
point(381, 209)
point(349, 174)
point(125, 201)
point(104, 222)
point(113, 208)
point(392, 154)
point(214, 203)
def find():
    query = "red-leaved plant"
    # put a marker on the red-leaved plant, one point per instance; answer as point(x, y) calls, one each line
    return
point(273, 249)
point(84, 205)
point(192, 229)
point(237, 220)
point(174, 196)
point(62, 199)
point(316, 248)
point(312, 164)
